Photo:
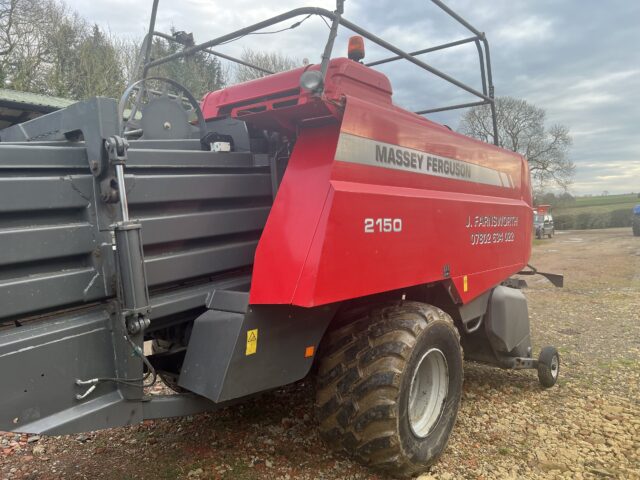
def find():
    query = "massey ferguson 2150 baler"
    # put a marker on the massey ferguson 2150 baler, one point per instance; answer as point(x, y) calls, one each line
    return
point(297, 219)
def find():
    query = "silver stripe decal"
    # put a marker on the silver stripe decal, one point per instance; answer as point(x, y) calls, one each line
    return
point(365, 151)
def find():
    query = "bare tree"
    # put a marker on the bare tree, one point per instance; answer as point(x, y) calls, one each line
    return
point(47, 48)
point(271, 61)
point(97, 69)
point(61, 68)
point(8, 14)
point(128, 49)
point(521, 128)
point(24, 40)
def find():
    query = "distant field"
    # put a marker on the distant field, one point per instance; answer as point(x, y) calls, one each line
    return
point(600, 204)
point(607, 199)
point(596, 212)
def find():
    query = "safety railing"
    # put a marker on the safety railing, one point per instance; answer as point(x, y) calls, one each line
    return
point(485, 95)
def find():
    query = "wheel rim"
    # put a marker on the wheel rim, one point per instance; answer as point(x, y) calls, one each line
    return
point(554, 366)
point(428, 391)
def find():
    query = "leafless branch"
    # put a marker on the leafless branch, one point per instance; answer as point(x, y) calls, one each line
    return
point(521, 128)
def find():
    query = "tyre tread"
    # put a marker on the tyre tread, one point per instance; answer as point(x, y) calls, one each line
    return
point(356, 394)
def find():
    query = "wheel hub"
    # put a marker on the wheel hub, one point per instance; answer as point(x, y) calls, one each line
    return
point(428, 391)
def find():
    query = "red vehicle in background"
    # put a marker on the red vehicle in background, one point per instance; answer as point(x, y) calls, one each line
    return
point(301, 218)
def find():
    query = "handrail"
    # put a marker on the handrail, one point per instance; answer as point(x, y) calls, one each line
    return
point(423, 51)
point(242, 32)
point(486, 96)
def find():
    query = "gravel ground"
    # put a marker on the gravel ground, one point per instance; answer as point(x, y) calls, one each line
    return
point(588, 426)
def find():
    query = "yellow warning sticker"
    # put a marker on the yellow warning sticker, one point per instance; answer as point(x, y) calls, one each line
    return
point(252, 342)
point(465, 284)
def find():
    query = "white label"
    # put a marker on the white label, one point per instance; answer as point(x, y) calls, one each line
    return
point(492, 229)
point(365, 151)
point(382, 225)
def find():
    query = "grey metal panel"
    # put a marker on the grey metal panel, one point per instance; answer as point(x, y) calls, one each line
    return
point(147, 158)
point(474, 309)
point(40, 362)
point(201, 214)
point(177, 188)
point(211, 346)
point(229, 301)
point(183, 300)
point(26, 156)
point(38, 292)
point(49, 242)
point(22, 194)
point(172, 228)
point(106, 411)
point(96, 119)
point(43, 361)
point(165, 406)
point(193, 263)
point(46, 242)
point(166, 144)
point(53, 254)
point(216, 364)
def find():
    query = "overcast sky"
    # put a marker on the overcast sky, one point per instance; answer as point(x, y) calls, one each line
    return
point(577, 59)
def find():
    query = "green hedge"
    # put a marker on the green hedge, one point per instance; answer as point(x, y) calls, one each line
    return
point(591, 220)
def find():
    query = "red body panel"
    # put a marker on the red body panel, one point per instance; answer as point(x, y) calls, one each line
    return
point(276, 102)
point(458, 209)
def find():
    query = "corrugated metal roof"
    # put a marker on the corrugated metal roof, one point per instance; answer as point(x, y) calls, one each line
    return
point(18, 107)
point(35, 99)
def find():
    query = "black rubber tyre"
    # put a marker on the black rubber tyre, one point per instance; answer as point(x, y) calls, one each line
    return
point(548, 366)
point(635, 226)
point(364, 380)
point(169, 379)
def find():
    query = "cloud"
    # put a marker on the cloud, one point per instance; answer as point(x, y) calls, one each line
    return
point(585, 101)
point(605, 80)
point(530, 29)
